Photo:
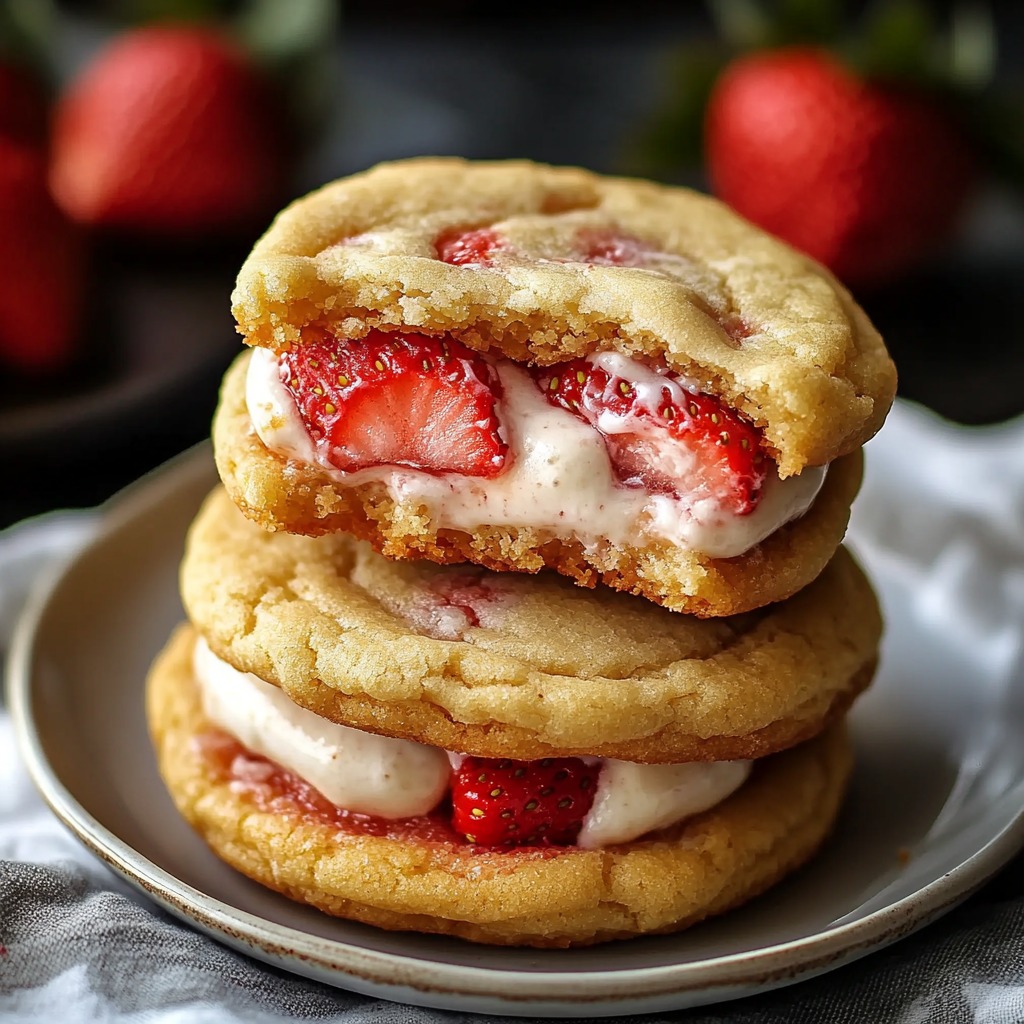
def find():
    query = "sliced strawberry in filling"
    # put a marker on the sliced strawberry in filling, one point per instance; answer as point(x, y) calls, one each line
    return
point(662, 437)
point(522, 803)
point(397, 399)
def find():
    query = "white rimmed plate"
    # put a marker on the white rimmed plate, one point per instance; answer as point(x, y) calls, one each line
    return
point(935, 808)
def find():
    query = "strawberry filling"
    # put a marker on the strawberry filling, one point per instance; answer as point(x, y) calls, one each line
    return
point(522, 803)
point(610, 248)
point(450, 605)
point(662, 437)
point(432, 404)
point(477, 247)
point(468, 248)
point(270, 787)
point(287, 760)
point(397, 399)
point(274, 789)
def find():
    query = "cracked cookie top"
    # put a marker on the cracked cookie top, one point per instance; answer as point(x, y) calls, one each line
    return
point(545, 264)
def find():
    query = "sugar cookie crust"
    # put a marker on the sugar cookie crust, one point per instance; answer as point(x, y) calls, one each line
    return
point(551, 669)
point(360, 253)
point(705, 866)
point(283, 495)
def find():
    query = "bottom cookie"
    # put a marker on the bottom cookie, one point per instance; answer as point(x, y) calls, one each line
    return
point(418, 876)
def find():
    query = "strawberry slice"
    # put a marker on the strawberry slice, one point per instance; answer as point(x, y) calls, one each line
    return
point(522, 803)
point(663, 437)
point(397, 399)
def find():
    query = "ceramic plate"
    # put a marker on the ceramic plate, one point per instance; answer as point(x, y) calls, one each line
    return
point(935, 808)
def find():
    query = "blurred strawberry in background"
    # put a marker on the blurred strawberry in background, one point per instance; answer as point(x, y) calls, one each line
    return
point(865, 178)
point(184, 125)
point(169, 131)
point(847, 137)
point(42, 254)
point(42, 257)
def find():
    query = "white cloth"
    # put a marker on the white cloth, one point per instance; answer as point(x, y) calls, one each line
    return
point(942, 506)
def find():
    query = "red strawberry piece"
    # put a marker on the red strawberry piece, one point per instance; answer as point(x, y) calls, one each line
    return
point(468, 248)
point(397, 399)
point(522, 803)
point(671, 441)
point(42, 267)
point(169, 131)
point(466, 592)
point(453, 603)
point(864, 177)
point(24, 111)
point(610, 248)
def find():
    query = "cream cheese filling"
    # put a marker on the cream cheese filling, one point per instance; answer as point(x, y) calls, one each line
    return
point(359, 771)
point(559, 476)
point(391, 778)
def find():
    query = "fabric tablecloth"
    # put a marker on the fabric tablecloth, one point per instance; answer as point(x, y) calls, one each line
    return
point(942, 504)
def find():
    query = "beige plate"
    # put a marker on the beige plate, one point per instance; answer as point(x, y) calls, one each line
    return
point(940, 776)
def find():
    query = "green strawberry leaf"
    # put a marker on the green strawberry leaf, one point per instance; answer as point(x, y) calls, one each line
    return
point(673, 138)
point(810, 21)
point(141, 12)
point(972, 50)
point(279, 32)
point(26, 32)
point(743, 24)
point(754, 25)
point(900, 41)
point(896, 42)
point(294, 41)
point(995, 121)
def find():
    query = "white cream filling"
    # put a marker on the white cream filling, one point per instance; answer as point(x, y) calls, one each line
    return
point(634, 799)
point(559, 476)
point(390, 778)
point(355, 770)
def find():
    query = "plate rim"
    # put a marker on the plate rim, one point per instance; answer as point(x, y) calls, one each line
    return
point(616, 991)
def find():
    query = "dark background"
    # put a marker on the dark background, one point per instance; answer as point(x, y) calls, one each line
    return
point(562, 84)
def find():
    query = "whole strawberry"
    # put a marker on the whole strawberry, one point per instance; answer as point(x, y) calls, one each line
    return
point(522, 803)
point(41, 267)
point(169, 131)
point(865, 178)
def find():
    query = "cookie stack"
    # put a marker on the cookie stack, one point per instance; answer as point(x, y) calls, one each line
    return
point(474, 388)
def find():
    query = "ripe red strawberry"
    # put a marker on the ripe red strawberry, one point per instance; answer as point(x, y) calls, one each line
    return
point(669, 441)
point(468, 248)
point(398, 399)
point(169, 131)
point(522, 803)
point(863, 177)
point(42, 266)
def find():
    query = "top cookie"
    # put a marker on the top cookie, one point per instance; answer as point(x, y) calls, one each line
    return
point(545, 264)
